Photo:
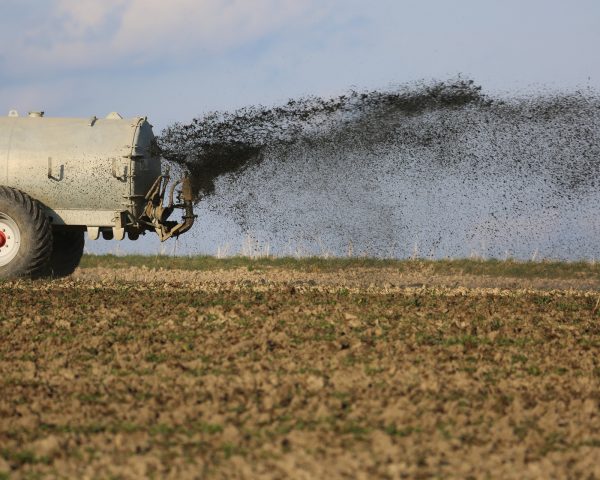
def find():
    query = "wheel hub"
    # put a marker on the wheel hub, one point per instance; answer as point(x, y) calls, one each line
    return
point(10, 239)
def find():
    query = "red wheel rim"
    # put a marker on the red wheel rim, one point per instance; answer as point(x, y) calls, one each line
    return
point(2, 239)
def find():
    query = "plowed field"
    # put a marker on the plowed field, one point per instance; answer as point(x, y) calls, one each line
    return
point(273, 372)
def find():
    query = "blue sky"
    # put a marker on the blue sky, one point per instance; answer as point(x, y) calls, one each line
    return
point(172, 60)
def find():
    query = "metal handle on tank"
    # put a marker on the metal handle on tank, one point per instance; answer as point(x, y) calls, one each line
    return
point(61, 171)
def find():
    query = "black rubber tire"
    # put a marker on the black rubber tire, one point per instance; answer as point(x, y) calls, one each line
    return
point(33, 257)
point(66, 252)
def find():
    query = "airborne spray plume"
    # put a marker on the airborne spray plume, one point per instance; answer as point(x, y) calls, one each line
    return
point(228, 142)
point(436, 169)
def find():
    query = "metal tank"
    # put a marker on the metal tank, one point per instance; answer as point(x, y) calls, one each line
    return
point(100, 175)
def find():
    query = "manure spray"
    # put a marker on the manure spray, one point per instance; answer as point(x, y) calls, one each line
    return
point(430, 169)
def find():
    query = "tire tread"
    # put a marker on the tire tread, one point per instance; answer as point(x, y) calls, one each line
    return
point(41, 245)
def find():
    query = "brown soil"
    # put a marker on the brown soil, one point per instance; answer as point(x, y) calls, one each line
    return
point(376, 279)
point(361, 373)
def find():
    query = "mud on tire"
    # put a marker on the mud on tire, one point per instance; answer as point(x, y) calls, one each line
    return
point(25, 235)
point(67, 251)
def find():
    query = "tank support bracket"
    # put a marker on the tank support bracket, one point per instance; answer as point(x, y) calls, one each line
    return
point(156, 213)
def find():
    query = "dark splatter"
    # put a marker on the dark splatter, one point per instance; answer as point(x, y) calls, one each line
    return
point(437, 169)
point(227, 142)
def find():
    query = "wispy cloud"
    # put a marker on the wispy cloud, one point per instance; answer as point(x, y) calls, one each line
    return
point(77, 34)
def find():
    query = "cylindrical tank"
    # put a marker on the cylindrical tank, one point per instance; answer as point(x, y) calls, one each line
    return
point(62, 176)
point(86, 172)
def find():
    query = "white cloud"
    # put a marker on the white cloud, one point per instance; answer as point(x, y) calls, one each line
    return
point(82, 16)
point(182, 26)
point(78, 34)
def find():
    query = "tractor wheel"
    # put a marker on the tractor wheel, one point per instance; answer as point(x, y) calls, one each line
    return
point(25, 236)
point(66, 252)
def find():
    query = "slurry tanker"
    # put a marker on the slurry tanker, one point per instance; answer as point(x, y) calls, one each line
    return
point(62, 177)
